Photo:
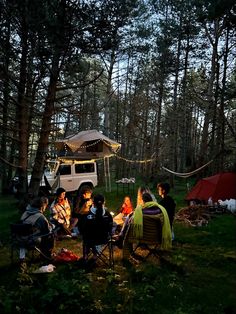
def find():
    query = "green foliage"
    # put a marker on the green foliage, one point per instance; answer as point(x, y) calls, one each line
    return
point(8, 213)
point(54, 292)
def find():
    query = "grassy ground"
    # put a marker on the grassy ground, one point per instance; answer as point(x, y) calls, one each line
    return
point(197, 276)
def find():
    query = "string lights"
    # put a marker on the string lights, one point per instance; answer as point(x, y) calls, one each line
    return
point(136, 161)
point(91, 144)
point(75, 147)
point(74, 160)
point(112, 155)
point(82, 146)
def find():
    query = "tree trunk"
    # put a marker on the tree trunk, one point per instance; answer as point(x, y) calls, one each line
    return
point(108, 94)
point(6, 175)
point(203, 153)
point(221, 125)
point(186, 114)
point(22, 113)
point(42, 150)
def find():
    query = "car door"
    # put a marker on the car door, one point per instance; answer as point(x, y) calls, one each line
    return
point(66, 177)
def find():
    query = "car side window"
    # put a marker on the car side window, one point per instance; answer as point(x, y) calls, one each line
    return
point(84, 168)
point(64, 170)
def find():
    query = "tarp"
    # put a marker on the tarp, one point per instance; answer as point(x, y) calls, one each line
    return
point(90, 144)
point(221, 186)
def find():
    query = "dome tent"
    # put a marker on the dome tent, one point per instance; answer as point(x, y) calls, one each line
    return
point(221, 186)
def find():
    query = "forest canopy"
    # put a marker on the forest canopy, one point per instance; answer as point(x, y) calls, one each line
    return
point(157, 76)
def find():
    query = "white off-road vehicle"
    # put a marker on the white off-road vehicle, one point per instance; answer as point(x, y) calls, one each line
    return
point(69, 174)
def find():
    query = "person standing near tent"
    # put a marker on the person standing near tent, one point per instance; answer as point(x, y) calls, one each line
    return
point(167, 202)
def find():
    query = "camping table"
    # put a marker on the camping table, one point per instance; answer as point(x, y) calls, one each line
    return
point(126, 186)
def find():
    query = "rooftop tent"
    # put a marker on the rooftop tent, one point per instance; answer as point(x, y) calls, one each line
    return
point(221, 186)
point(87, 144)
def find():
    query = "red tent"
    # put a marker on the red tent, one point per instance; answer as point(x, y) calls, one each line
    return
point(221, 186)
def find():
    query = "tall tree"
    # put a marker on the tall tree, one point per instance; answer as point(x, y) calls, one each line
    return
point(96, 22)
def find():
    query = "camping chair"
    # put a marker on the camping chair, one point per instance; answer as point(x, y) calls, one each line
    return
point(104, 251)
point(97, 238)
point(151, 240)
point(23, 239)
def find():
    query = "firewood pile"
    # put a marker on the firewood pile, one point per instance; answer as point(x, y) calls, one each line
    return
point(195, 216)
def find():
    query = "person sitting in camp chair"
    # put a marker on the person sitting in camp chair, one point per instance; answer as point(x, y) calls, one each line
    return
point(82, 205)
point(149, 208)
point(96, 228)
point(125, 210)
point(135, 230)
point(60, 214)
point(42, 229)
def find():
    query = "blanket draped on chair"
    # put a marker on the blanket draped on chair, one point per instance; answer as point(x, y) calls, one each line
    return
point(166, 229)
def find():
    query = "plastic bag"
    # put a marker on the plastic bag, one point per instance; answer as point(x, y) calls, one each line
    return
point(45, 269)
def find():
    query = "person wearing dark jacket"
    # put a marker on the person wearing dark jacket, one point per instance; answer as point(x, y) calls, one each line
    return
point(166, 200)
point(34, 215)
point(96, 227)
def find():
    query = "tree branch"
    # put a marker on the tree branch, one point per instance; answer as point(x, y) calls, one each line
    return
point(81, 85)
point(8, 163)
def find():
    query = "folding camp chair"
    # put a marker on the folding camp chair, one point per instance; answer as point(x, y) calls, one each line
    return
point(97, 239)
point(103, 250)
point(149, 243)
point(23, 239)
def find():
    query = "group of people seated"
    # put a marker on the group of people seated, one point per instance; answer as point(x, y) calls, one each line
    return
point(147, 205)
point(88, 213)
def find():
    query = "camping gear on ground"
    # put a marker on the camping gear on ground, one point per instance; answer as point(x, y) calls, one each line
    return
point(65, 255)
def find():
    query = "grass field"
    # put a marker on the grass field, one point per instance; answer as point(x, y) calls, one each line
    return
point(197, 276)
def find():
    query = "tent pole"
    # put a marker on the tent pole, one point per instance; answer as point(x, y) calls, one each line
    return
point(107, 174)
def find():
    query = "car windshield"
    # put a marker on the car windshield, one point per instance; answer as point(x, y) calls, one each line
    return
point(50, 167)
